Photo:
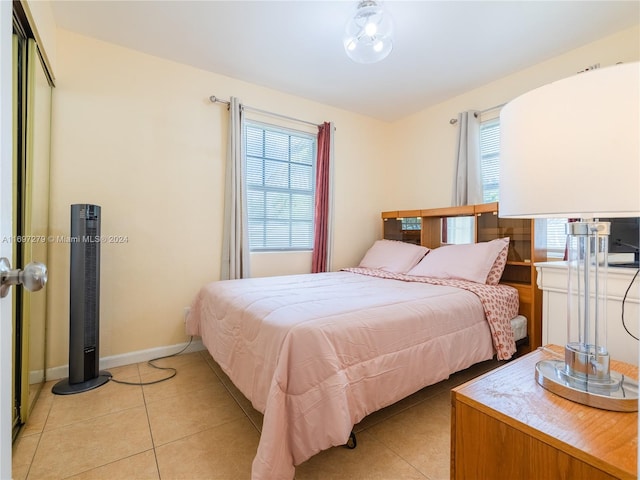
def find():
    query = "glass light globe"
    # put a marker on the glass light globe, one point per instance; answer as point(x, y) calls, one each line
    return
point(368, 35)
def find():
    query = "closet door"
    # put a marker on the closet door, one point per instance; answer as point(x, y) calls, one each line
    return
point(35, 206)
point(31, 158)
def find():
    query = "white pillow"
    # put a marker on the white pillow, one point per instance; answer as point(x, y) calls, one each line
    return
point(393, 256)
point(464, 262)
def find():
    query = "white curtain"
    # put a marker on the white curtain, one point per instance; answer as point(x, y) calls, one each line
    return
point(235, 244)
point(467, 187)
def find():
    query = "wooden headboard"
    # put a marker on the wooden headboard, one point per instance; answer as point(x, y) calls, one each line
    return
point(428, 227)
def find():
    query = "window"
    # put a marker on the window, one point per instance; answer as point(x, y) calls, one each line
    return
point(490, 159)
point(411, 223)
point(490, 171)
point(457, 230)
point(280, 180)
point(556, 237)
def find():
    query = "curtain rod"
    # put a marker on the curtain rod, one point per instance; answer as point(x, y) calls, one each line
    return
point(215, 99)
point(453, 121)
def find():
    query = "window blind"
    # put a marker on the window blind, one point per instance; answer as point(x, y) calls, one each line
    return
point(280, 176)
point(490, 159)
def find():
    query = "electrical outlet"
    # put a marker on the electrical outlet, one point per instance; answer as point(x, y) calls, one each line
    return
point(186, 314)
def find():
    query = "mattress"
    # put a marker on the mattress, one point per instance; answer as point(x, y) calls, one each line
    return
point(519, 327)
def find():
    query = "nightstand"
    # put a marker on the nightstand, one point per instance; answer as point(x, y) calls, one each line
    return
point(505, 425)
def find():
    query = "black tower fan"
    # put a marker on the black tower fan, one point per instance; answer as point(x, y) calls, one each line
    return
point(84, 303)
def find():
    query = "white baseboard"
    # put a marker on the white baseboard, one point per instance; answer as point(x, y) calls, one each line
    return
point(106, 363)
point(36, 376)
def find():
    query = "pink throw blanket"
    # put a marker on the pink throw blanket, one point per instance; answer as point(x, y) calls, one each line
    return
point(496, 301)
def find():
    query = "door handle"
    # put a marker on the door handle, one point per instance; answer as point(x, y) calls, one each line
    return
point(33, 277)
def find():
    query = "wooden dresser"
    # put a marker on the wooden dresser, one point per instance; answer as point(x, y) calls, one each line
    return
point(505, 425)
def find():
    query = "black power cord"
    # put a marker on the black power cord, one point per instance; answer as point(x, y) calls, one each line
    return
point(151, 364)
point(623, 301)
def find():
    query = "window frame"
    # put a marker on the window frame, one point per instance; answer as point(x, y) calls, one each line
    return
point(490, 157)
point(289, 220)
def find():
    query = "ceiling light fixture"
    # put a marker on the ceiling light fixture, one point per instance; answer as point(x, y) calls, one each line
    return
point(369, 34)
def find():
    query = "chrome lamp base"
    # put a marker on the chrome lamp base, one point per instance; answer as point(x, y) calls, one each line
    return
point(616, 392)
point(585, 376)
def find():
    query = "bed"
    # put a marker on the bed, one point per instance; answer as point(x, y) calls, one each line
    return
point(316, 353)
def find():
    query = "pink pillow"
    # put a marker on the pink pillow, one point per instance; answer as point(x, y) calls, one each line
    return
point(393, 256)
point(495, 274)
point(470, 262)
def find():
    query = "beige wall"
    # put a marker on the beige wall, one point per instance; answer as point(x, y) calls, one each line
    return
point(425, 143)
point(138, 136)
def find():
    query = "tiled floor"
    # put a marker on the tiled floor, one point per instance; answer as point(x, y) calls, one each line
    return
point(197, 426)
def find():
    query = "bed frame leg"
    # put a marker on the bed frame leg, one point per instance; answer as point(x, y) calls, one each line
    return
point(352, 443)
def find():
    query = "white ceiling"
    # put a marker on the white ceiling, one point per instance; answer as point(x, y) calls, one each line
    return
point(441, 49)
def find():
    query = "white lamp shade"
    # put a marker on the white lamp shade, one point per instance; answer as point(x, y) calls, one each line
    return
point(571, 148)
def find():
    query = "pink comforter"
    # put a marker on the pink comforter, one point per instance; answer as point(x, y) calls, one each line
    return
point(317, 353)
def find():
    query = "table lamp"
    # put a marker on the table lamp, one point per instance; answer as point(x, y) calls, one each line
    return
point(570, 149)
